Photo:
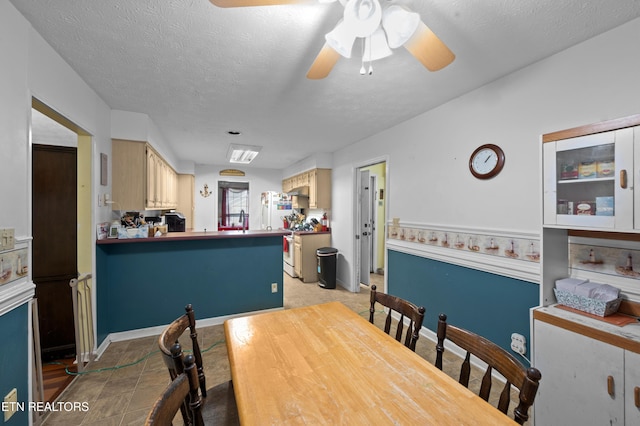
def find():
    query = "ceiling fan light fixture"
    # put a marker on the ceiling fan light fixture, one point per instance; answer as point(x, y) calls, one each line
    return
point(400, 24)
point(362, 16)
point(376, 46)
point(242, 154)
point(341, 39)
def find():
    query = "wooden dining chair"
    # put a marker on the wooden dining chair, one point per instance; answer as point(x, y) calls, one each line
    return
point(170, 336)
point(406, 309)
point(218, 403)
point(526, 380)
point(184, 387)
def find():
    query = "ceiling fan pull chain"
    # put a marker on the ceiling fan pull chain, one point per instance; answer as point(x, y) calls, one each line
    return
point(362, 70)
point(370, 57)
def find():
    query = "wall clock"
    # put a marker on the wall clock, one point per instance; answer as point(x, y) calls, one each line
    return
point(486, 161)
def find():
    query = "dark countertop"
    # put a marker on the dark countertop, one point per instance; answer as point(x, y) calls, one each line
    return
point(310, 232)
point(200, 235)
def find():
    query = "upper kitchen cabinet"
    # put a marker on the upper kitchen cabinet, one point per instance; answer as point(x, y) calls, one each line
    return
point(186, 205)
point(319, 183)
point(589, 177)
point(142, 179)
point(320, 189)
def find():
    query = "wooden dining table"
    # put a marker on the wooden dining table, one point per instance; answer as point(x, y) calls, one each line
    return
point(326, 365)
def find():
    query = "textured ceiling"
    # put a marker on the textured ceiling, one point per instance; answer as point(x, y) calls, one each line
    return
point(199, 71)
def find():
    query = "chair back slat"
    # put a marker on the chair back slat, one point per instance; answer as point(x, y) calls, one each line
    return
point(526, 380)
point(485, 386)
point(405, 309)
point(505, 398)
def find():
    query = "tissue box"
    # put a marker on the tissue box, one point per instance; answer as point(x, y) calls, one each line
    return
point(585, 304)
point(126, 233)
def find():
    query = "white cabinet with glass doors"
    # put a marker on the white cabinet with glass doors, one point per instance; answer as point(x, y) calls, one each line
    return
point(589, 181)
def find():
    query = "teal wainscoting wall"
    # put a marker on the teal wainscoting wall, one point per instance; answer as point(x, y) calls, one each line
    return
point(491, 305)
point(147, 284)
point(14, 360)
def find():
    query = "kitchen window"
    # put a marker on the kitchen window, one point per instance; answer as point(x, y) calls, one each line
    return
point(233, 201)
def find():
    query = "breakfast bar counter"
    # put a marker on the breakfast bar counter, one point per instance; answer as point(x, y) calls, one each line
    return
point(198, 235)
point(146, 282)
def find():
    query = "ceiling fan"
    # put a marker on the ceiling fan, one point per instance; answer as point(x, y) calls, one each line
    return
point(381, 28)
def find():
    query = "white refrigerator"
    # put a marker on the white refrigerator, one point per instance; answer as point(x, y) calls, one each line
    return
point(275, 205)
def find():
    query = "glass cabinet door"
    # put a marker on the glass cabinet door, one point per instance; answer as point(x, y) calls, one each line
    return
point(586, 182)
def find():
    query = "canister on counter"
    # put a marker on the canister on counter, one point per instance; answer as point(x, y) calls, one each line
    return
point(587, 170)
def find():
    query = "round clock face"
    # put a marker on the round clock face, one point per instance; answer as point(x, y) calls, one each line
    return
point(486, 161)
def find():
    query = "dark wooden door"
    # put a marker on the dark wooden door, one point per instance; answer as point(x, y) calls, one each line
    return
point(55, 256)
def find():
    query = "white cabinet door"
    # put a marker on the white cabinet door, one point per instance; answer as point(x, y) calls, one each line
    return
point(575, 373)
point(632, 388)
point(589, 181)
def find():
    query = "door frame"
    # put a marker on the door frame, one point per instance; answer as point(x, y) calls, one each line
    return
point(355, 271)
point(87, 180)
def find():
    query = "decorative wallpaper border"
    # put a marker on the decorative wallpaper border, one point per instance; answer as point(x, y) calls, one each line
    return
point(615, 261)
point(498, 244)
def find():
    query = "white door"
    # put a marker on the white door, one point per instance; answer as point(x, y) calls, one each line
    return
point(364, 197)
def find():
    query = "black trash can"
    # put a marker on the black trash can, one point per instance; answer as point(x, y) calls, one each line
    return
point(327, 257)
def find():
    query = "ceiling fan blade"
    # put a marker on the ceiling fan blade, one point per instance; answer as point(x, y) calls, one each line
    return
point(429, 49)
point(246, 3)
point(324, 63)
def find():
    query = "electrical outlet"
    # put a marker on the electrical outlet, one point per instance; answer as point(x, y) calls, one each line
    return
point(274, 287)
point(10, 404)
point(518, 343)
point(7, 239)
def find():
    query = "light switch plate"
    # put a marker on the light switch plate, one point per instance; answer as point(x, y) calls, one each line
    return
point(7, 239)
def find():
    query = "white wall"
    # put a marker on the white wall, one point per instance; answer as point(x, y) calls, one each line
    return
point(429, 179)
point(206, 209)
point(30, 67)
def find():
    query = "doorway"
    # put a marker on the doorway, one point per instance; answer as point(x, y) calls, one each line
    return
point(63, 238)
point(55, 242)
point(370, 222)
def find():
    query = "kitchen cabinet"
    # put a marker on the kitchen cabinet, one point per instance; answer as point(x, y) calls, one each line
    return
point(304, 251)
point(142, 179)
point(185, 205)
point(590, 369)
point(632, 388)
point(584, 380)
point(589, 181)
point(320, 189)
point(319, 183)
point(287, 185)
point(299, 202)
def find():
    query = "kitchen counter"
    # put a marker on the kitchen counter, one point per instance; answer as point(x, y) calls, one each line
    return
point(310, 232)
point(198, 235)
point(141, 286)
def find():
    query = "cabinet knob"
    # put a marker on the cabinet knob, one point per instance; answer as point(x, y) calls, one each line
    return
point(610, 386)
point(636, 396)
point(623, 178)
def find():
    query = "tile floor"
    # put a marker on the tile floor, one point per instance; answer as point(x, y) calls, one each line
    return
point(124, 383)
